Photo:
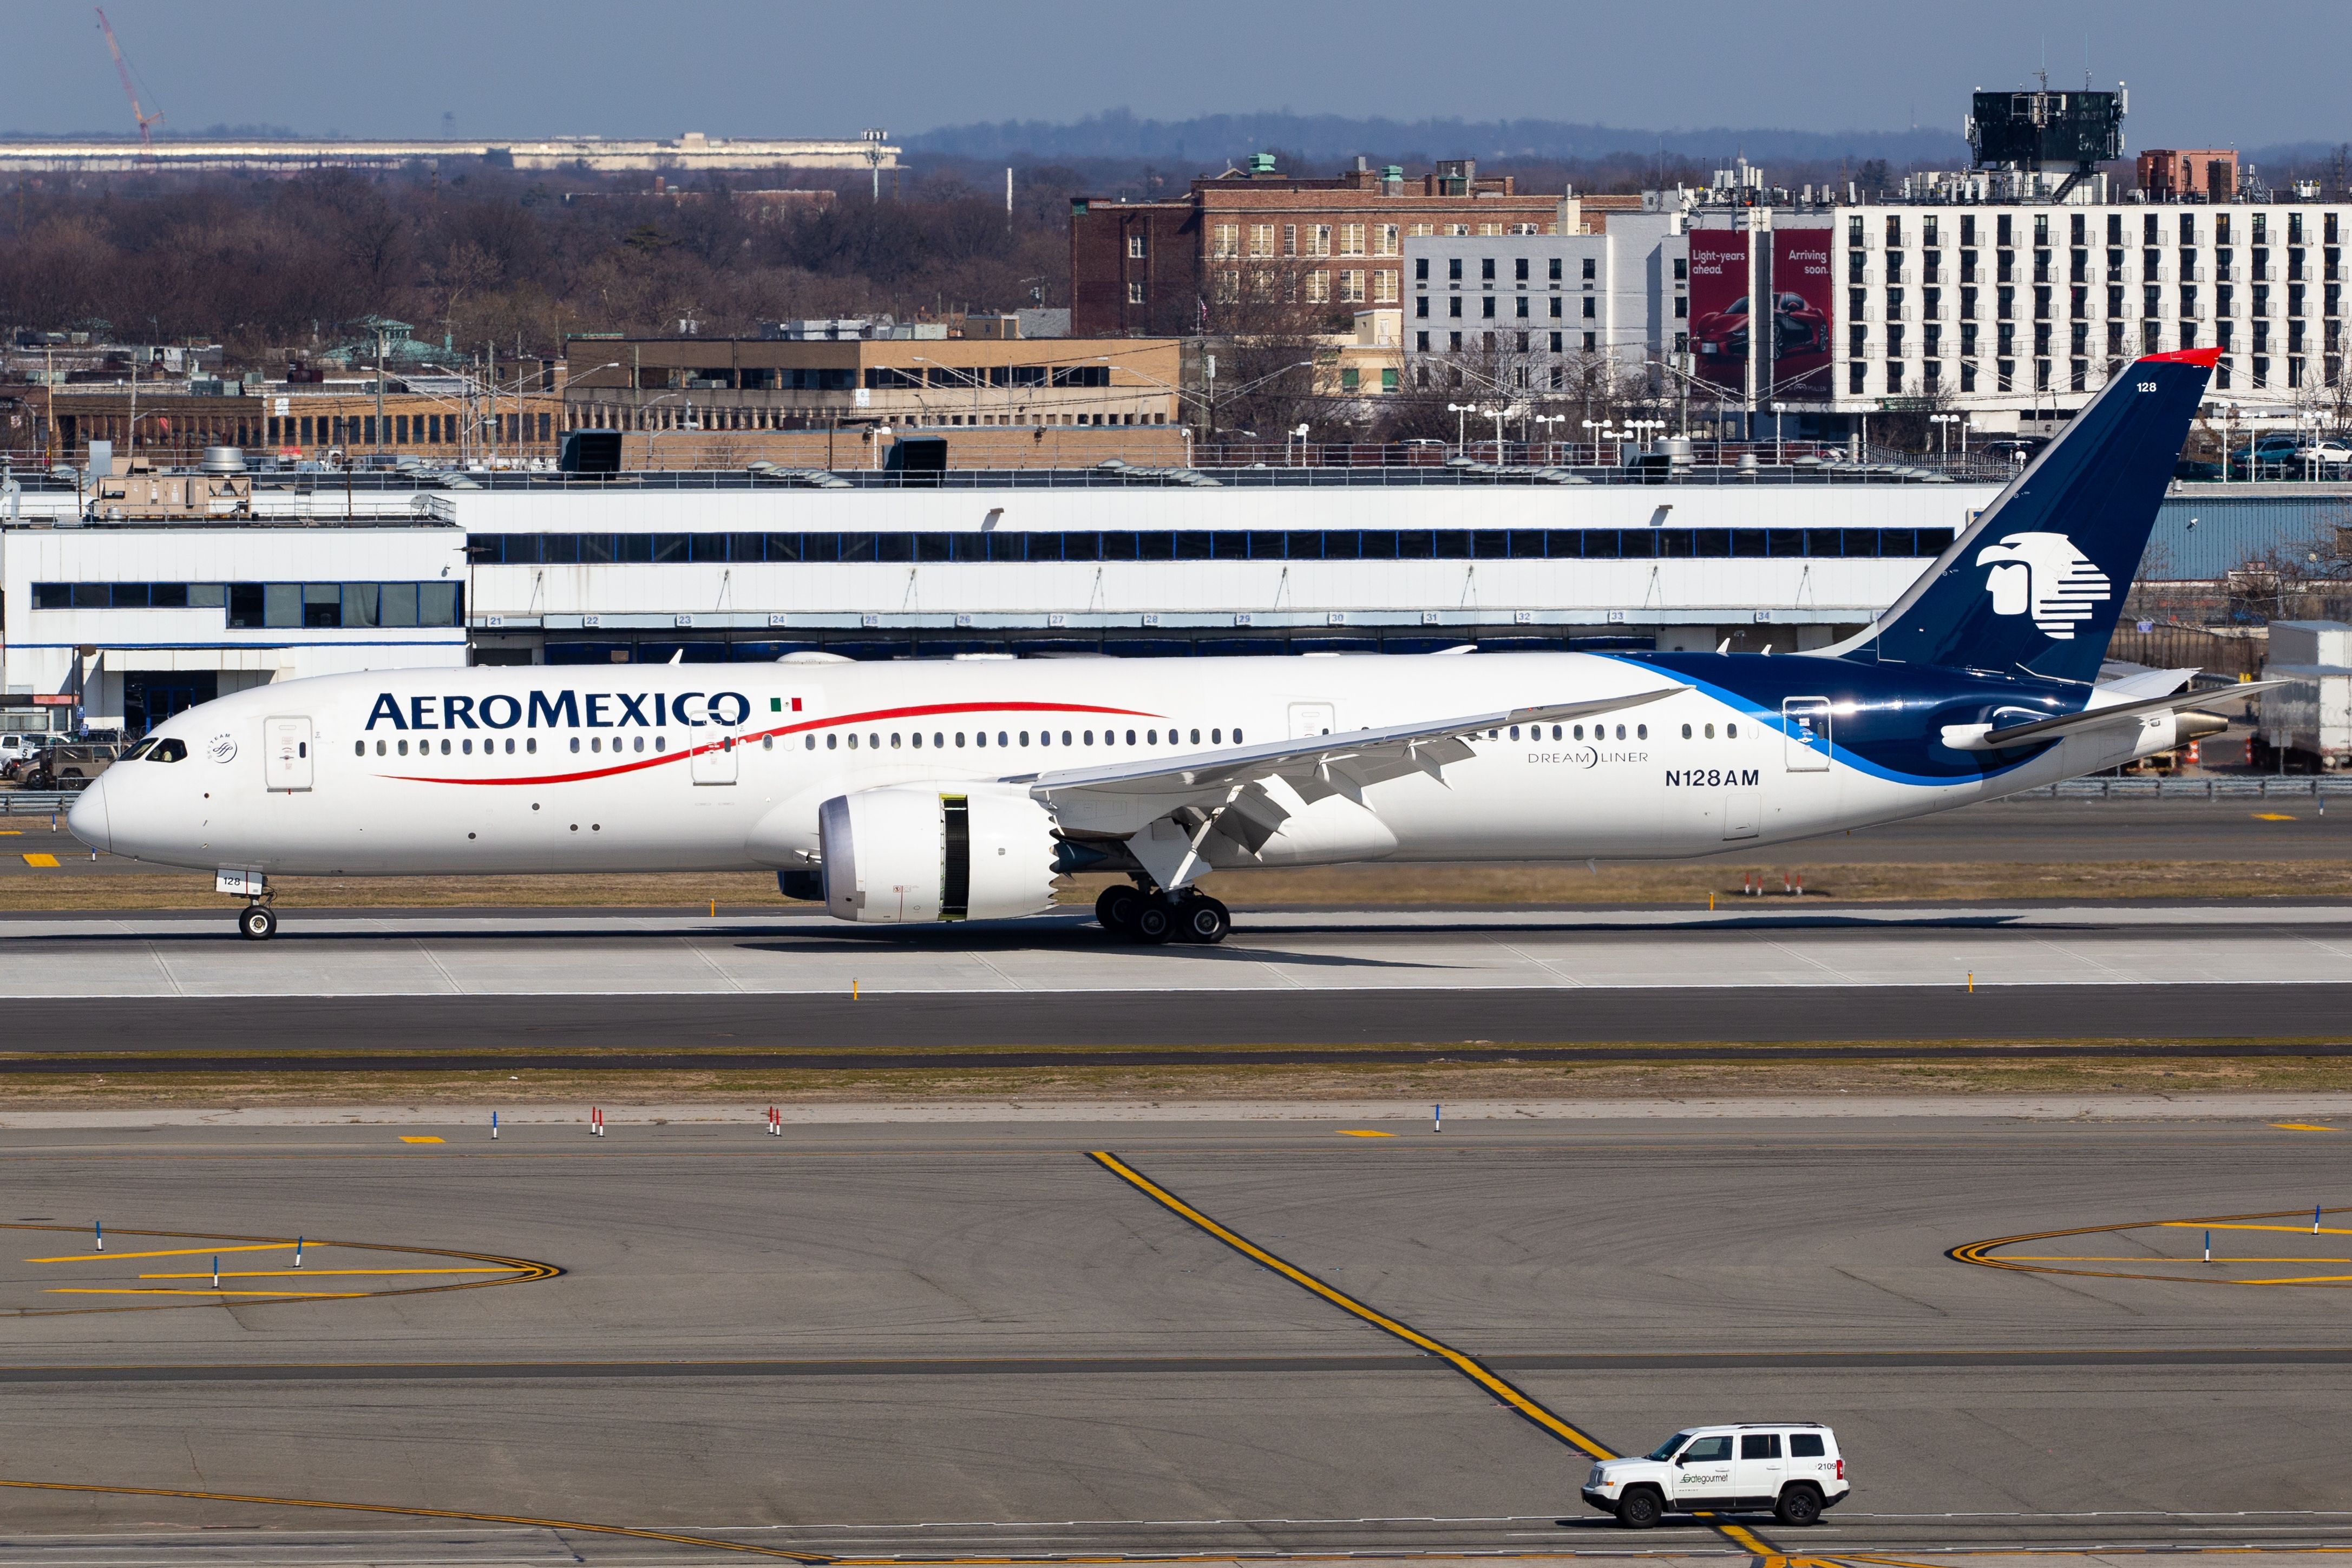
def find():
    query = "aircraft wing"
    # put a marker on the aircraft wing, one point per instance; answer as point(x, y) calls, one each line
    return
point(1248, 791)
point(1983, 737)
point(1392, 751)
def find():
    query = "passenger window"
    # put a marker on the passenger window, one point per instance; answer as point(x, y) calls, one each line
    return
point(1216, 737)
point(1555, 732)
point(1805, 1446)
point(1001, 740)
point(1025, 737)
point(1760, 1445)
point(767, 742)
point(530, 745)
point(661, 743)
point(575, 745)
point(1196, 737)
point(1515, 732)
point(638, 745)
point(1710, 732)
point(1089, 737)
point(379, 748)
point(1237, 737)
point(1641, 732)
point(1065, 738)
point(1131, 738)
point(1151, 738)
point(979, 738)
point(874, 741)
point(894, 741)
point(1620, 732)
point(1579, 732)
point(1705, 1450)
point(1731, 732)
point(959, 738)
point(853, 743)
point(359, 748)
point(470, 746)
point(1686, 734)
point(596, 743)
point(404, 748)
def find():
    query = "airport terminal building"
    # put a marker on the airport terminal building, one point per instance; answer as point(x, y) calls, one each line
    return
point(139, 620)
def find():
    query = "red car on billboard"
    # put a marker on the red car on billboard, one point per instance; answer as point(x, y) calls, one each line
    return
point(1800, 326)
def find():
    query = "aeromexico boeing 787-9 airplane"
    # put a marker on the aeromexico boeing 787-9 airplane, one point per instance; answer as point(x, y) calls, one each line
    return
point(929, 791)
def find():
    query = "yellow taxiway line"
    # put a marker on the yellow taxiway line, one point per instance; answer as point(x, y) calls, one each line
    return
point(1469, 1367)
point(173, 1253)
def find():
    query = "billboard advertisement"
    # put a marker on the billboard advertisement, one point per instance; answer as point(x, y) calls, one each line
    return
point(1801, 300)
point(1719, 306)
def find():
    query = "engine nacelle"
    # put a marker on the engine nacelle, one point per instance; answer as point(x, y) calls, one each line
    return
point(945, 852)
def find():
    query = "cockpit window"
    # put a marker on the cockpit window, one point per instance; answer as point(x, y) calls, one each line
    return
point(1667, 1449)
point(140, 751)
point(172, 749)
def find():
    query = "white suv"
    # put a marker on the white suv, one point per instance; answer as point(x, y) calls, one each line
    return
point(1793, 1468)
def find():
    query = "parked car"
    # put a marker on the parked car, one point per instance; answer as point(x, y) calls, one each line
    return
point(2017, 449)
point(1792, 1467)
point(2188, 468)
point(72, 764)
point(16, 745)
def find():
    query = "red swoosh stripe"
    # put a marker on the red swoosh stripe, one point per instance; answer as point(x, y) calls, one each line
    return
point(873, 715)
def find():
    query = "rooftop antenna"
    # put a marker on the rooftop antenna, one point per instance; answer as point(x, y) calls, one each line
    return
point(123, 68)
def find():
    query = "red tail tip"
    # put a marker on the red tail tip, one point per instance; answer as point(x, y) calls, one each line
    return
point(2207, 358)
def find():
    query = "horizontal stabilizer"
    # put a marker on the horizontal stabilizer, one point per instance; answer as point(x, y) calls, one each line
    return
point(1984, 738)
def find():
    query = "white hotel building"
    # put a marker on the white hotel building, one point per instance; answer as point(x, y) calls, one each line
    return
point(2006, 311)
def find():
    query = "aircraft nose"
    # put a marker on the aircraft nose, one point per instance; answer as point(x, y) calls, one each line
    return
point(87, 819)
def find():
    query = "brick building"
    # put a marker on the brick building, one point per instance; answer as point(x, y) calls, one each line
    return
point(2170, 173)
point(1251, 240)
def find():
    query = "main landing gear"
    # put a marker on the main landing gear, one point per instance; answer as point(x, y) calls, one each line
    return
point(1150, 918)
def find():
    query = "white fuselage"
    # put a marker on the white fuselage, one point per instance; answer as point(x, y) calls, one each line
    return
point(725, 766)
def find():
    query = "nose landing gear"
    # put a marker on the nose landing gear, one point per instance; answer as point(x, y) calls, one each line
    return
point(1150, 917)
point(257, 921)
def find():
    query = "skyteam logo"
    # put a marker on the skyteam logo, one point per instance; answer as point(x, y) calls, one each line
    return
point(2044, 576)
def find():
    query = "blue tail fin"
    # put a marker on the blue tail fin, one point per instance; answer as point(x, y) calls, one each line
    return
point(2034, 584)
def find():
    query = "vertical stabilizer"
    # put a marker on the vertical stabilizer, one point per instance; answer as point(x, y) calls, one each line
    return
point(2034, 584)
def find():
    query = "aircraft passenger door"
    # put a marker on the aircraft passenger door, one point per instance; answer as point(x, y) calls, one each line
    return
point(714, 761)
point(1309, 720)
point(286, 753)
point(1807, 722)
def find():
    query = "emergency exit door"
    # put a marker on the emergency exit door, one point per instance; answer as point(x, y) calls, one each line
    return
point(286, 753)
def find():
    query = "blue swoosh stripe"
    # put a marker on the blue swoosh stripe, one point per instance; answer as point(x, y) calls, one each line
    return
point(1845, 754)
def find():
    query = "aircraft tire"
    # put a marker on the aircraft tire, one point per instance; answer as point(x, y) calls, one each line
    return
point(1202, 919)
point(1154, 923)
point(257, 922)
point(1116, 907)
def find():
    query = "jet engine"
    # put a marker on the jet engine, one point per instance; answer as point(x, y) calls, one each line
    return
point(944, 852)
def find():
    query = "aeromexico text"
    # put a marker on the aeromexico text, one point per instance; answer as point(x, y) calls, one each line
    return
point(564, 710)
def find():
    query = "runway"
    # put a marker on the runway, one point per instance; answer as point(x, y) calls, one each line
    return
point(480, 990)
point(978, 1340)
point(2071, 830)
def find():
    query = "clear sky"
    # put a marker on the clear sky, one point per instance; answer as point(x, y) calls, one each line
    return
point(2200, 74)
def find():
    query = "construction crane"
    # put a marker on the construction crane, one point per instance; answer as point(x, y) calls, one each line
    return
point(123, 68)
